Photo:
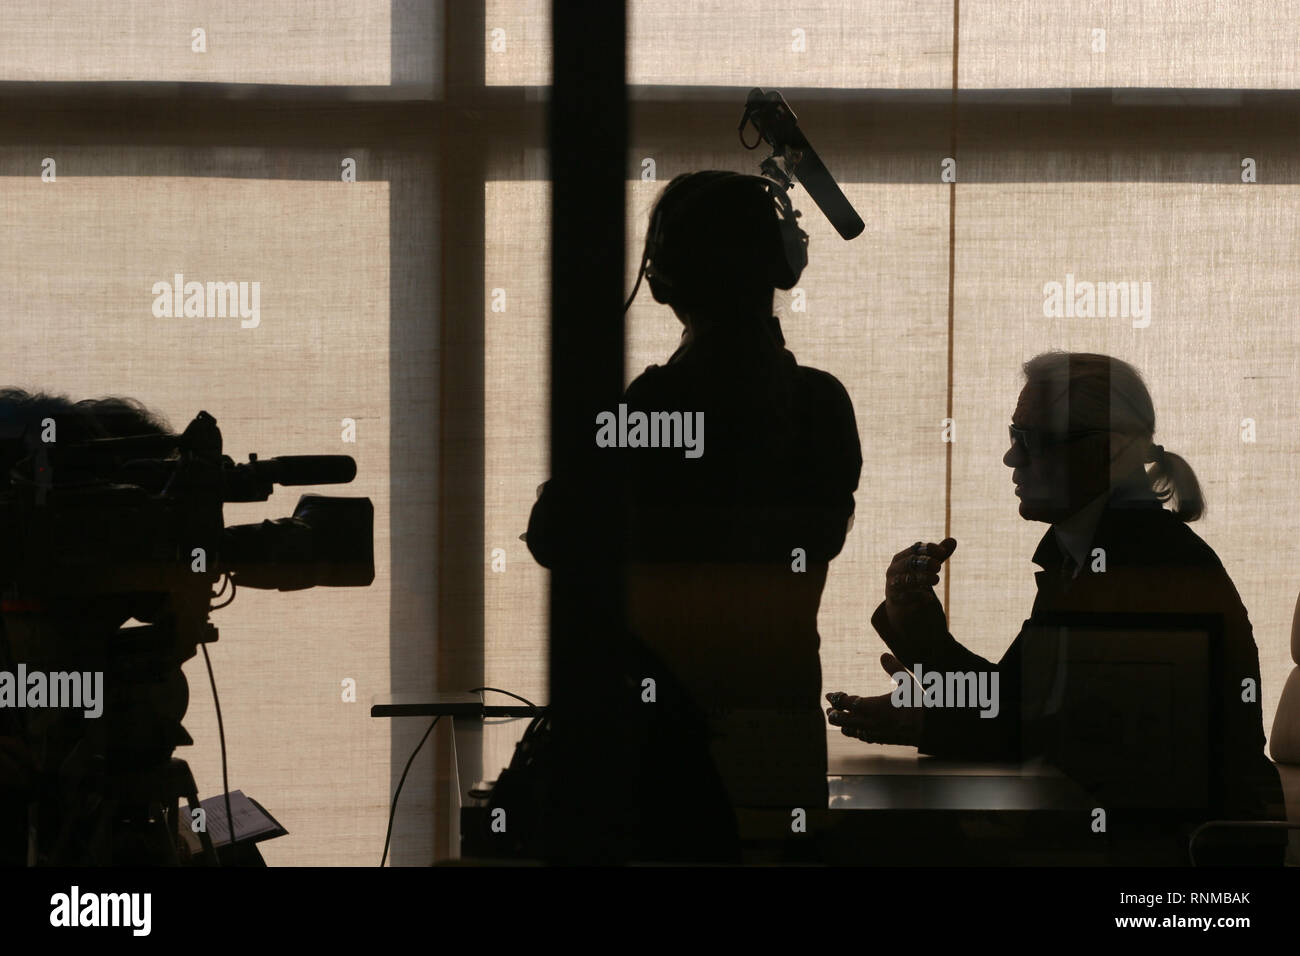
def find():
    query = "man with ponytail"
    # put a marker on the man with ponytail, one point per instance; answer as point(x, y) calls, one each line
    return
point(1084, 461)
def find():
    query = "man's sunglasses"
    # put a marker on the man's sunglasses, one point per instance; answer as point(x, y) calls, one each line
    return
point(1033, 441)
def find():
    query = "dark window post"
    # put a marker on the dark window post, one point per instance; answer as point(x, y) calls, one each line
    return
point(588, 143)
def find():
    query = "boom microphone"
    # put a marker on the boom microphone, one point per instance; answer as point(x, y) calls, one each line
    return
point(793, 158)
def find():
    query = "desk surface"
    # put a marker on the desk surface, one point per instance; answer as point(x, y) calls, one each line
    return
point(864, 776)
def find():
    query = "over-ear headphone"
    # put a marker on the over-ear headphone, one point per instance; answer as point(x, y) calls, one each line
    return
point(661, 261)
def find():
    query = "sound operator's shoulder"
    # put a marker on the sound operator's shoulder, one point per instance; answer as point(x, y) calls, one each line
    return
point(823, 386)
point(655, 380)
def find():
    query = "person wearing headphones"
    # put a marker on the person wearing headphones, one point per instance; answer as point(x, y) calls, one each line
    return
point(728, 549)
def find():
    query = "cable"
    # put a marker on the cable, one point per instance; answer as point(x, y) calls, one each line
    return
point(392, 812)
point(221, 732)
point(498, 690)
point(228, 601)
point(640, 272)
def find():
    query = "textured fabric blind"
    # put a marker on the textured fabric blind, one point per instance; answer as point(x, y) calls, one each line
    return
point(317, 42)
point(1014, 44)
point(908, 44)
point(888, 44)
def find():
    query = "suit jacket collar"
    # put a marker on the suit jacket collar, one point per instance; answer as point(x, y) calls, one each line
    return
point(1119, 509)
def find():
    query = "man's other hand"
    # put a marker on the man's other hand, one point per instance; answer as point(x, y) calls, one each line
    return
point(876, 720)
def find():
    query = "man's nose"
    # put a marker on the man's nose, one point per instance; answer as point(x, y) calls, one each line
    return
point(1015, 456)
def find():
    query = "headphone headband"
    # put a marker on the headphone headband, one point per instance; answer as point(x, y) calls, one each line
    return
point(782, 270)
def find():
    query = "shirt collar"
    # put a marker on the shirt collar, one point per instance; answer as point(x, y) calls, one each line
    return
point(1074, 534)
point(1077, 534)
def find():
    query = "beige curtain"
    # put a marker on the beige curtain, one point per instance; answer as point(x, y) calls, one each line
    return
point(294, 42)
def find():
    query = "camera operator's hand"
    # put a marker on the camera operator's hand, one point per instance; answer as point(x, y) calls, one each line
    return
point(17, 769)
